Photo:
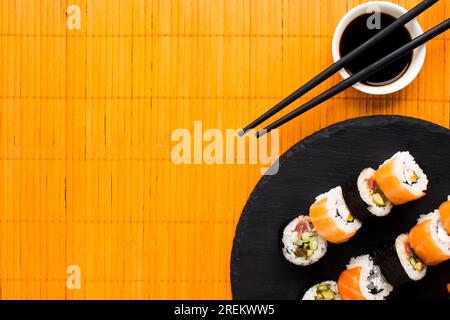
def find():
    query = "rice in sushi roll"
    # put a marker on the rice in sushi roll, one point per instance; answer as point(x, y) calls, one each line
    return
point(301, 243)
point(444, 212)
point(399, 263)
point(363, 280)
point(429, 240)
point(364, 198)
point(401, 179)
point(332, 218)
point(327, 290)
point(372, 195)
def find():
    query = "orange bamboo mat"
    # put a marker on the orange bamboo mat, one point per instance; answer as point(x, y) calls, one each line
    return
point(86, 118)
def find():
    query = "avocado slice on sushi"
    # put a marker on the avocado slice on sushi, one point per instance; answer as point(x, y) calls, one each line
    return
point(378, 199)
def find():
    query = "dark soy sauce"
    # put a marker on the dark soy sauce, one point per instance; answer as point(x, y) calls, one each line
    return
point(357, 32)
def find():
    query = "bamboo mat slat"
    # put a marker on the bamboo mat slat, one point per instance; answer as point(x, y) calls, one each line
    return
point(86, 118)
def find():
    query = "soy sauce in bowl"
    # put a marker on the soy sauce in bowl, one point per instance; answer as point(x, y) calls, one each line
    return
point(358, 32)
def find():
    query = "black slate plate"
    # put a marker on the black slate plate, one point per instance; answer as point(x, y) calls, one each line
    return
point(313, 166)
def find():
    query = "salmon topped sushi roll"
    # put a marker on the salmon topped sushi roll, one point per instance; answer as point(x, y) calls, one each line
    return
point(363, 280)
point(444, 212)
point(327, 290)
point(429, 240)
point(398, 262)
point(413, 266)
point(332, 218)
point(401, 179)
point(301, 243)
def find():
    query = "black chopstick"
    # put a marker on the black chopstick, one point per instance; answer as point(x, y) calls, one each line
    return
point(343, 62)
point(361, 75)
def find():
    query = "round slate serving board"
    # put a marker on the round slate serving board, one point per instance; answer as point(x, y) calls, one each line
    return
point(315, 165)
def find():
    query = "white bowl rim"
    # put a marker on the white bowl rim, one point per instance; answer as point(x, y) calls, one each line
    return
point(414, 29)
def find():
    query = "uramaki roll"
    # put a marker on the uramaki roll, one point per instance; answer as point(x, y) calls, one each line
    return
point(401, 179)
point(302, 245)
point(327, 290)
point(429, 240)
point(444, 212)
point(332, 218)
point(363, 280)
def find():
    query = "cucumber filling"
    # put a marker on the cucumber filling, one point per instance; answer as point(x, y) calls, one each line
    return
point(416, 263)
point(378, 197)
point(306, 245)
point(324, 292)
point(413, 260)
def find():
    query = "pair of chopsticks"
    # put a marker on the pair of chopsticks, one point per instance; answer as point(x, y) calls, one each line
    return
point(355, 78)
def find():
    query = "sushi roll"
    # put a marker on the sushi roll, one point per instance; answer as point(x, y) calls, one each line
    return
point(399, 263)
point(364, 198)
point(444, 212)
point(429, 240)
point(332, 218)
point(363, 280)
point(401, 179)
point(327, 290)
point(301, 243)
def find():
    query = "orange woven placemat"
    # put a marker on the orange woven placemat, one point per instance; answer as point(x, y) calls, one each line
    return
point(86, 117)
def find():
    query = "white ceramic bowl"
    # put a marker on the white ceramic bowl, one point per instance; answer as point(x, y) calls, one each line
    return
point(414, 29)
